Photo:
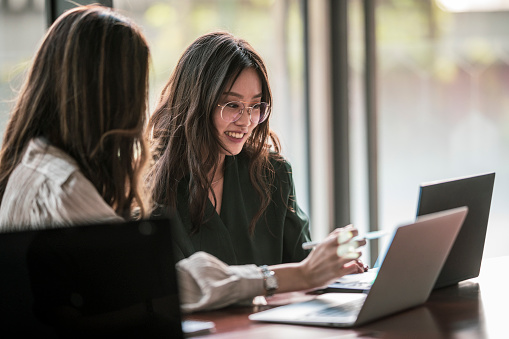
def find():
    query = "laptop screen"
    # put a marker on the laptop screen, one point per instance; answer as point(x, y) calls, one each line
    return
point(93, 280)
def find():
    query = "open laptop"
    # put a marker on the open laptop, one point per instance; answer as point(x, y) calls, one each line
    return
point(405, 278)
point(475, 192)
point(464, 260)
point(99, 280)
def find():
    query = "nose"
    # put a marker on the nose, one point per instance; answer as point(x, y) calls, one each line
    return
point(245, 118)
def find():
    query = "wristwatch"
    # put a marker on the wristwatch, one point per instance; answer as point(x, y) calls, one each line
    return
point(269, 280)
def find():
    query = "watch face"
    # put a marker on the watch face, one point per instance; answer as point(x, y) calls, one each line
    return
point(271, 282)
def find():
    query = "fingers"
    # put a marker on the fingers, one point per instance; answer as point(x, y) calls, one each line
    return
point(334, 257)
point(347, 228)
point(362, 242)
point(361, 267)
point(344, 236)
point(339, 244)
point(348, 250)
point(352, 267)
point(331, 260)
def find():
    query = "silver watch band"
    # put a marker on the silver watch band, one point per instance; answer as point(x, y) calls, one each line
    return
point(269, 280)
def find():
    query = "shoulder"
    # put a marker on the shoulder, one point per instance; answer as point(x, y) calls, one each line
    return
point(48, 189)
point(80, 202)
point(282, 168)
point(279, 162)
point(45, 160)
point(44, 169)
point(276, 166)
point(276, 161)
point(42, 204)
point(277, 169)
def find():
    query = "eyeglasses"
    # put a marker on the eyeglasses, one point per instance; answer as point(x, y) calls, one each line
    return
point(232, 111)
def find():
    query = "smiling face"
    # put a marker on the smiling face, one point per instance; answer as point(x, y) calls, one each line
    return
point(248, 89)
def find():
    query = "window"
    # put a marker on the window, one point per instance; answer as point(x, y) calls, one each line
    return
point(22, 26)
point(274, 28)
point(443, 70)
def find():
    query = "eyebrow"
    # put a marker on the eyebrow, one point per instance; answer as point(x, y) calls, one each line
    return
point(234, 94)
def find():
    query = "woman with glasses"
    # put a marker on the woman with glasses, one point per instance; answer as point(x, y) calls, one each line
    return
point(218, 165)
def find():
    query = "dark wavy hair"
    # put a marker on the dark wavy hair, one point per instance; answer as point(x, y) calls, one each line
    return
point(86, 93)
point(182, 135)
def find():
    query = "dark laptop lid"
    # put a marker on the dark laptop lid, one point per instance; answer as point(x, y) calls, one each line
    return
point(100, 280)
point(475, 192)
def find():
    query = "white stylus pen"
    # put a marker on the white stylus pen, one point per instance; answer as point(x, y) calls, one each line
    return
point(368, 236)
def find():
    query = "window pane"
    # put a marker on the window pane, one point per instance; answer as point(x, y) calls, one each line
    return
point(22, 26)
point(443, 103)
point(273, 28)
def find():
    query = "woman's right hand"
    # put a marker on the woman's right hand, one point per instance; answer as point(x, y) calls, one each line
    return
point(333, 258)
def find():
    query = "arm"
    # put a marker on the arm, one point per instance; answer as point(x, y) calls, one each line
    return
point(207, 283)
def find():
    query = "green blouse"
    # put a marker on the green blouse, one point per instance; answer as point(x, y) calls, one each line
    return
point(278, 235)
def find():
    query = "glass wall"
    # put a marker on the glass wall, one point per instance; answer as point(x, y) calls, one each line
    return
point(22, 26)
point(443, 69)
point(443, 103)
point(274, 28)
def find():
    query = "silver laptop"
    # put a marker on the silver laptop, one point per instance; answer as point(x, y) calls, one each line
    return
point(464, 259)
point(405, 279)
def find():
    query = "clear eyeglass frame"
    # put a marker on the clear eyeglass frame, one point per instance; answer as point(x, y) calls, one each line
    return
point(232, 111)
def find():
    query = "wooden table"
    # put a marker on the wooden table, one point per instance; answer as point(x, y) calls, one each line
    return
point(474, 308)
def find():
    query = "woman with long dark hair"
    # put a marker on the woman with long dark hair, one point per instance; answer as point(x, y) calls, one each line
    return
point(73, 149)
point(218, 164)
point(218, 168)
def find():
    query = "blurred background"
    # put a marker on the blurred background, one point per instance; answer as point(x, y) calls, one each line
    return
point(372, 97)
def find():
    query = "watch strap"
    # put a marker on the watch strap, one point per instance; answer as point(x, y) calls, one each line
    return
point(269, 280)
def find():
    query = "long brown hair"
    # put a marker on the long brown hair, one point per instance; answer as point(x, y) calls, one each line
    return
point(86, 93)
point(183, 138)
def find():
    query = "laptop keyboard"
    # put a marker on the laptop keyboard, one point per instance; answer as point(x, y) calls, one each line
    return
point(364, 285)
point(362, 281)
point(341, 310)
